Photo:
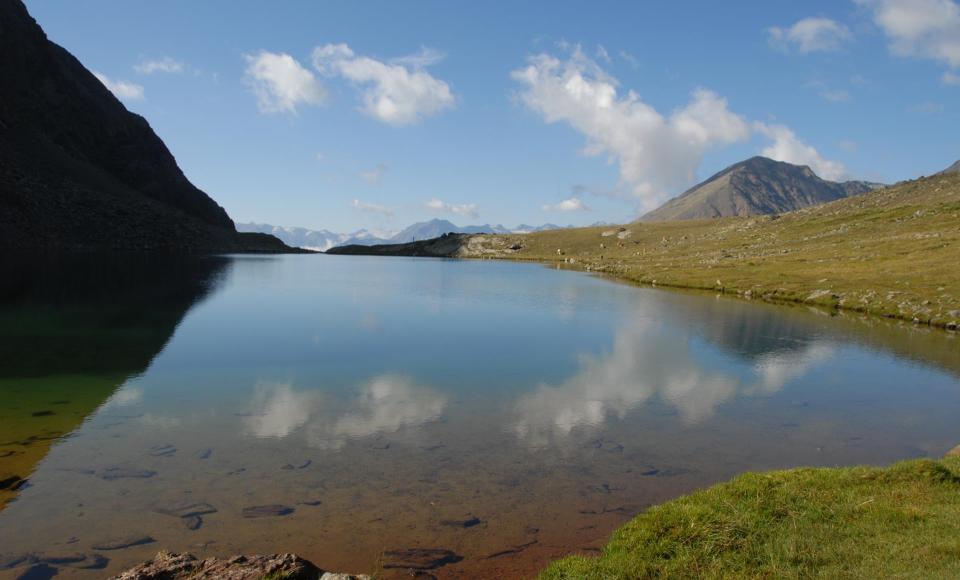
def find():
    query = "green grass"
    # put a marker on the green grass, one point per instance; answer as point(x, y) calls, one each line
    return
point(901, 521)
point(892, 252)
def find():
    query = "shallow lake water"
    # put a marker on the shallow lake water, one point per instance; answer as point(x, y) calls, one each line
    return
point(351, 409)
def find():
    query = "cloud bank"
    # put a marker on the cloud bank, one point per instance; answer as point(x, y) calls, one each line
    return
point(123, 90)
point(656, 153)
point(398, 93)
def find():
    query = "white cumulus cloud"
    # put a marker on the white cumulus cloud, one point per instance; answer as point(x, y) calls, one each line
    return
point(657, 154)
point(950, 78)
point(123, 90)
point(162, 65)
point(810, 35)
point(371, 207)
point(570, 204)
point(466, 209)
point(398, 93)
point(786, 146)
point(280, 83)
point(923, 28)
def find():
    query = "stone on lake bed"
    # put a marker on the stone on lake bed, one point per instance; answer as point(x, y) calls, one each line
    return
point(186, 509)
point(121, 543)
point(8, 561)
point(163, 450)
point(266, 511)
point(467, 522)
point(123, 473)
point(420, 558)
point(193, 522)
point(74, 560)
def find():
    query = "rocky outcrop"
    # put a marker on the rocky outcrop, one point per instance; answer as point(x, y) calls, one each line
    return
point(77, 170)
point(172, 566)
point(446, 246)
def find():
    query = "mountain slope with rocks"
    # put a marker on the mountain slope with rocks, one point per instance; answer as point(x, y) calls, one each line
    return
point(757, 186)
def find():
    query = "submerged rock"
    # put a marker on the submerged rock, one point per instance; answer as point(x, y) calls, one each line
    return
point(467, 522)
point(171, 566)
point(121, 543)
point(266, 511)
point(186, 509)
point(420, 558)
point(122, 473)
point(74, 560)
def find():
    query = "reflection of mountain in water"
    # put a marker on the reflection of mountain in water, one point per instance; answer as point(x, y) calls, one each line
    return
point(72, 329)
point(753, 330)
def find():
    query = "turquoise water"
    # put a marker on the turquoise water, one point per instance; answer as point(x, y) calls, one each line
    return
point(510, 413)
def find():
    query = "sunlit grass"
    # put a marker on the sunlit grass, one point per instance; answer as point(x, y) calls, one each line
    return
point(860, 522)
point(892, 252)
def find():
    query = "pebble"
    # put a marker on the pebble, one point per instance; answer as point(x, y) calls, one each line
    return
point(301, 465)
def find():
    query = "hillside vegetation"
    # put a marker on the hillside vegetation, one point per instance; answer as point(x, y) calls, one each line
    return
point(893, 252)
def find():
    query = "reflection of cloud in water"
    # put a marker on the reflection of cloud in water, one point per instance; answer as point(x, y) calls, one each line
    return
point(386, 404)
point(779, 368)
point(646, 361)
point(283, 410)
point(125, 396)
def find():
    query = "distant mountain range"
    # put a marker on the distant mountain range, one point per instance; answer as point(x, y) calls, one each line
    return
point(323, 240)
point(757, 186)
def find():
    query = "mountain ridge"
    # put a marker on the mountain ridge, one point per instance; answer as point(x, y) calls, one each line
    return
point(323, 240)
point(756, 186)
point(80, 171)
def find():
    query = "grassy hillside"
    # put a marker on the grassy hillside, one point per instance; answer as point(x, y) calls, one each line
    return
point(897, 522)
point(893, 252)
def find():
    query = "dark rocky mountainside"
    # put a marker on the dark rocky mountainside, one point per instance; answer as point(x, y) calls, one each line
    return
point(77, 170)
point(757, 186)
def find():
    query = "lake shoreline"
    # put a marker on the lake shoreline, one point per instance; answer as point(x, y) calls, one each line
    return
point(889, 253)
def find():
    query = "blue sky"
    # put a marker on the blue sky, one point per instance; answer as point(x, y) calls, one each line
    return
point(342, 115)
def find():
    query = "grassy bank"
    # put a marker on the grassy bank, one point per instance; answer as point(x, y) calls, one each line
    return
point(901, 521)
point(892, 252)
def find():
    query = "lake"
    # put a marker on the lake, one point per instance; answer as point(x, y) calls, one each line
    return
point(351, 409)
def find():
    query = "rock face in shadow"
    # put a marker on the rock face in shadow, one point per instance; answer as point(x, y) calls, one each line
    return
point(757, 186)
point(77, 170)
